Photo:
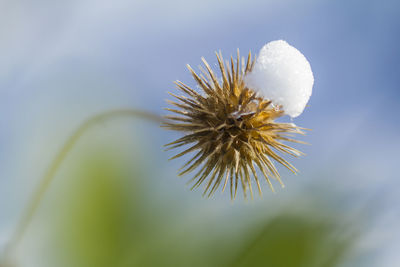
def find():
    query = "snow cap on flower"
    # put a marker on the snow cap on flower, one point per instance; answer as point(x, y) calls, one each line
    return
point(282, 74)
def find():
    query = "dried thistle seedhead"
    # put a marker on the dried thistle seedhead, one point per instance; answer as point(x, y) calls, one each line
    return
point(231, 127)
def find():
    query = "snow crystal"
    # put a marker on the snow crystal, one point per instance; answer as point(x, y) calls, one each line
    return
point(283, 75)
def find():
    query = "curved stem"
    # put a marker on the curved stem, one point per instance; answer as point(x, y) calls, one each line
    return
point(48, 177)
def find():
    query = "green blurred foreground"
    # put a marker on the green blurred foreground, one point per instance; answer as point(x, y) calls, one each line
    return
point(105, 215)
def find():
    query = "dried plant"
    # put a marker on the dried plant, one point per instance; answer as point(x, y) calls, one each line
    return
point(232, 128)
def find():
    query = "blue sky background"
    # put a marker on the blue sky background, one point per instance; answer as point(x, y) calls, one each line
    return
point(62, 61)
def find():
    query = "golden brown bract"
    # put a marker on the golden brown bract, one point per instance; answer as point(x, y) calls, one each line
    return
point(231, 128)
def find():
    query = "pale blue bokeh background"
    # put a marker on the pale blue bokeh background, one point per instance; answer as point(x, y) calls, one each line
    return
point(62, 61)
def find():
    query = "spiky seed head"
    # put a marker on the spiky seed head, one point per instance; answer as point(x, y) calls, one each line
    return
point(230, 128)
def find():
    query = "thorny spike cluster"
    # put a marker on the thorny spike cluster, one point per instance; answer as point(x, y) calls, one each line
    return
point(232, 128)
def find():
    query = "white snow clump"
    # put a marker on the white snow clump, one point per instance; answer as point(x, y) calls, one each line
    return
point(283, 75)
